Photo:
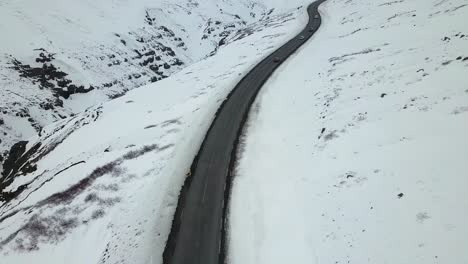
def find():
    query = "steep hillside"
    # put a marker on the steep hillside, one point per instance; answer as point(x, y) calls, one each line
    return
point(58, 58)
point(102, 186)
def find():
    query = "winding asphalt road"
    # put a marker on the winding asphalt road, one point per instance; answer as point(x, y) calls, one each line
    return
point(198, 228)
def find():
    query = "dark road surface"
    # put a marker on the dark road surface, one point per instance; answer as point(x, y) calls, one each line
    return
point(197, 235)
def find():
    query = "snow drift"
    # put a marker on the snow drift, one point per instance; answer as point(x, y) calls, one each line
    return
point(356, 149)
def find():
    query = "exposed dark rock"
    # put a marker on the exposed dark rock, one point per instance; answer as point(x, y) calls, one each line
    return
point(177, 62)
point(154, 68)
point(17, 161)
point(168, 31)
point(43, 58)
point(72, 89)
point(222, 42)
point(58, 102)
point(46, 75)
point(150, 53)
point(63, 82)
point(149, 19)
point(147, 61)
point(15, 153)
point(139, 55)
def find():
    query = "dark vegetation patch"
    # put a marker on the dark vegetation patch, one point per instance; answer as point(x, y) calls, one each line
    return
point(66, 196)
point(53, 228)
point(110, 187)
point(99, 213)
point(331, 135)
point(137, 153)
point(91, 197)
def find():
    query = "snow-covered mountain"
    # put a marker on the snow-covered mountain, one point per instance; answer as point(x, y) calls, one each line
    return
point(366, 166)
point(97, 180)
point(58, 57)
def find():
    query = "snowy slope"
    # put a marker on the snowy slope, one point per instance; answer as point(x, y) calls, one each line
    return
point(102, 186)
point(356, 149)
point(59, 57)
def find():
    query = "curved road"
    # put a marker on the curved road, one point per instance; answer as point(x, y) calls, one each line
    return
point(197, 235)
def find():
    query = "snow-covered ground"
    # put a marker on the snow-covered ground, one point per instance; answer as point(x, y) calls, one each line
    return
point(355, 150)
point(101, 186)
point(59, 57)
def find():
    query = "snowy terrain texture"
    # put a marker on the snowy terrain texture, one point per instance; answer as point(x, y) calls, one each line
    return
point(96, 180)
point(354, 152)
point(59, 57)
point(356, 149)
